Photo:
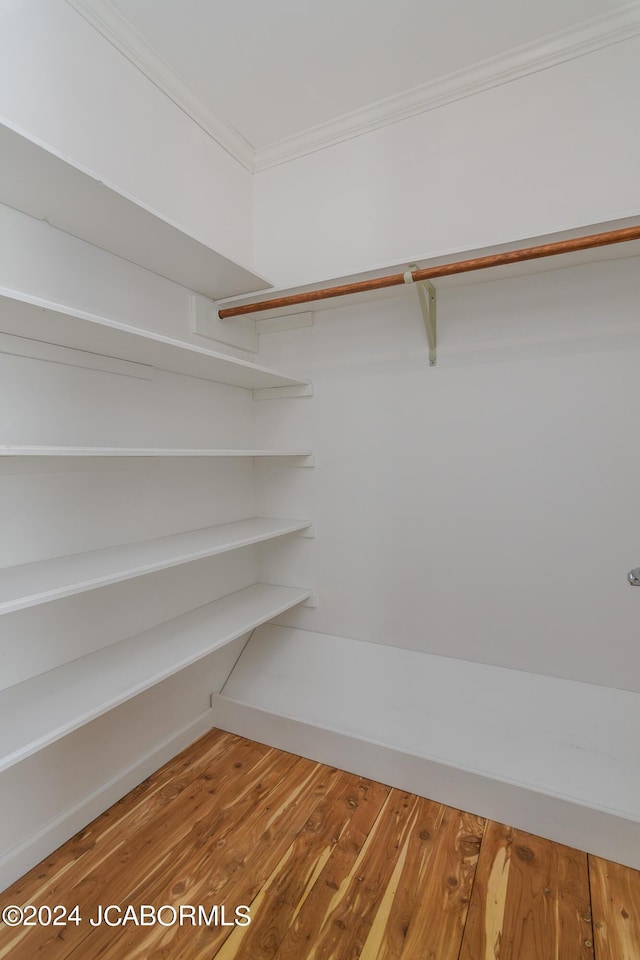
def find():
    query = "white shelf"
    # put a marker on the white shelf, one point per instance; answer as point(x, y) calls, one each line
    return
point(36, 319)
point(43, 709)
point(18, 450)
point(36, 180)
point(30, 584)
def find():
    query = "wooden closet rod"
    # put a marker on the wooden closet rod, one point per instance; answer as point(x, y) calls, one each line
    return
point(444, 270)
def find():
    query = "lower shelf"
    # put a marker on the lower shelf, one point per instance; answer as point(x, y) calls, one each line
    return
point(39, 711)
point(556, 758)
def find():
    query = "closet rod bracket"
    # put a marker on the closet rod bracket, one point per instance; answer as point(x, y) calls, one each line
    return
point(427, 299)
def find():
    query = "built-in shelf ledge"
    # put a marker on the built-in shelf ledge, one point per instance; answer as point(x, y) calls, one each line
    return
point(39, 711)
point(17, 450)
point(554, 757)
point(45, 185)
point(44, 322)
point(30, 584)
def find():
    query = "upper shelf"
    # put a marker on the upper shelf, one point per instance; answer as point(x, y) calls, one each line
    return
point(33, 320)
point(41, 183)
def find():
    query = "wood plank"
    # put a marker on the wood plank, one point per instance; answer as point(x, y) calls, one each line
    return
point(336, 921)
point(351, 803)
point(615, 898)
point(426, 906)
point(530, 900)
point(391, 924)
point(312, 907)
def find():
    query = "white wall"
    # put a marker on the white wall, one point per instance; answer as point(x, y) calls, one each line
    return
point(63, 83)
point(548, 152)
point(484, 509)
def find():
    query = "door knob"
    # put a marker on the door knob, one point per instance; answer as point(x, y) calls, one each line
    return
point(634, 577)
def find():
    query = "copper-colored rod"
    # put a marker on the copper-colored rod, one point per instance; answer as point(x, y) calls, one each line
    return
point(444, 270)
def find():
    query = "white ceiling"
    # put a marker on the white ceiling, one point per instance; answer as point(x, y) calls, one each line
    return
point(274, 69)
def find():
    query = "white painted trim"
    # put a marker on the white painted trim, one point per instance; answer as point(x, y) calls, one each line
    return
point(566, 820)
point(284, 322)
point(279, 393)
point(556, 48)
point(576, 41)
point(31, 851)
point(301, 460)
point(124, 37)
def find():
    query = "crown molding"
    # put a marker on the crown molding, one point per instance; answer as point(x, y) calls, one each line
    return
point(124, 37)
point(583, 38)
point(587, 37)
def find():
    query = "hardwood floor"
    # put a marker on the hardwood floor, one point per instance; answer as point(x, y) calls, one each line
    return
point(332, 867)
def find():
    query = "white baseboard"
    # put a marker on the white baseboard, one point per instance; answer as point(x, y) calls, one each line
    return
point(35, 848)
point(562, 819)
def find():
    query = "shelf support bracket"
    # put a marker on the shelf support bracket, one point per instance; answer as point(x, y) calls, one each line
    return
point(427, 297)
point(427, 300)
